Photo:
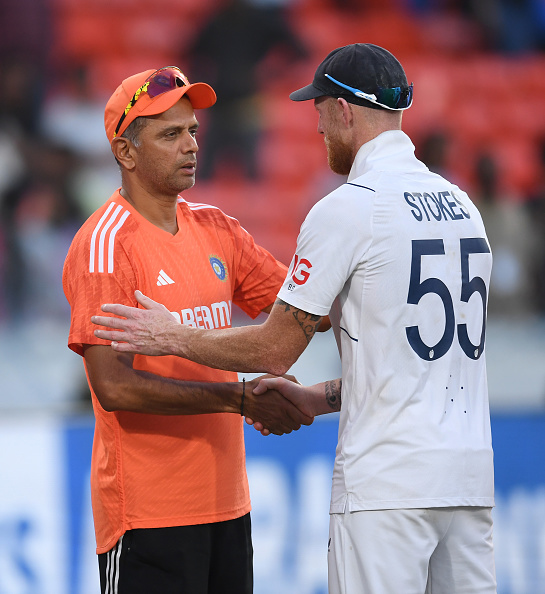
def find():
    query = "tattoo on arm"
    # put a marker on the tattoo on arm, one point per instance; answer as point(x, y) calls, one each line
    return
point(333, 394)
point(309, 322)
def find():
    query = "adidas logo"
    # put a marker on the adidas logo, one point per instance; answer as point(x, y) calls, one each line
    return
point(164, 279)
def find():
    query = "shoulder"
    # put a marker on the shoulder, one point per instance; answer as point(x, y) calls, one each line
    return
point(204, 214)
point(351, 199)
point(109, 227)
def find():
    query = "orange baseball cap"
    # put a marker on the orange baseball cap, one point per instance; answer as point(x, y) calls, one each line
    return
point(150, 93)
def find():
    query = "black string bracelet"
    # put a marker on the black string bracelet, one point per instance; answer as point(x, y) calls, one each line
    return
point(243, 394)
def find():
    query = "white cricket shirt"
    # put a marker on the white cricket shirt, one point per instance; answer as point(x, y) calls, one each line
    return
point(399, 258)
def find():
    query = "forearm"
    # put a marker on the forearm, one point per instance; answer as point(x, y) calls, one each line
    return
point(151, 394)
point(119, 386)
point(248, 349)
point(325, 397)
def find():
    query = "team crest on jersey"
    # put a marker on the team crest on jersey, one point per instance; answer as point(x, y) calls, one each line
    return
point(219, 267)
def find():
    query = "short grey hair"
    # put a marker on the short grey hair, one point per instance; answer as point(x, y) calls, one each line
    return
point(134, 129)
point(132, 133)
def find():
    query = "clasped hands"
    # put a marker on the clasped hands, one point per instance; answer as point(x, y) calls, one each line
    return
point(276, 405)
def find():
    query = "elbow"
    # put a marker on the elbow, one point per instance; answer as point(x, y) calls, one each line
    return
point(107, 403)
point(278, 362)
point(277, 369)
point(325, 324)
point(110, 397)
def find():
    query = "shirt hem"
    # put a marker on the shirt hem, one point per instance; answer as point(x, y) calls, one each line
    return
point(351, 505)
point(169, 522)
point(290, 299)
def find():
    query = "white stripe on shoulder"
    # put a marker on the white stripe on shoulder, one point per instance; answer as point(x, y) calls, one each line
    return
point(111, 242)
point(94, 235)
point(106, 230)
point(200, 206)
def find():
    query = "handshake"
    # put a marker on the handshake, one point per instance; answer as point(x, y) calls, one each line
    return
point(276, 404)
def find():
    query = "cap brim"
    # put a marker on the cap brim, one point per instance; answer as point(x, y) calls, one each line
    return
point(306, 93)
point(200, 94)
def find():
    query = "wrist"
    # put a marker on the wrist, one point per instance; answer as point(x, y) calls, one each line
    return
point(178, 340)
point(243, 397)
point(231, 396)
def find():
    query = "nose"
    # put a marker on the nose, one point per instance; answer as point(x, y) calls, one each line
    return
point(320, 127)
point(190, 146)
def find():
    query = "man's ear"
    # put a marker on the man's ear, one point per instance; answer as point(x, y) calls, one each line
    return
point(347, 112)
point(123, 150)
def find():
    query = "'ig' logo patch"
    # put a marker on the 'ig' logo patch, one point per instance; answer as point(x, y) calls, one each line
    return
point(219, 267)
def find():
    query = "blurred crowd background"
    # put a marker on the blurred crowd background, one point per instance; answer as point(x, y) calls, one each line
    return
point(478, 68)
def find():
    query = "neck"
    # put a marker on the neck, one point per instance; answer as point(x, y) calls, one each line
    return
point(160, 211)
point(370, 123)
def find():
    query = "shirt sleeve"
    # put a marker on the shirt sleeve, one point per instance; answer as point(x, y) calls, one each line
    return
point(86, 291)
point(332, 243)
point(259, 275)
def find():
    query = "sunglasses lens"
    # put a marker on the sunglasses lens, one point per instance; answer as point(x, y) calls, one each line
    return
point(396, 97)
point(165, 80)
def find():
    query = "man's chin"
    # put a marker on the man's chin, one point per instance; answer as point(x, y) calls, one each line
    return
point(339, 168)
point(185, 184)
point(339, 158)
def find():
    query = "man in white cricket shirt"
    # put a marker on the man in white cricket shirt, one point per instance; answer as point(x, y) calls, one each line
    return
point(398, 258)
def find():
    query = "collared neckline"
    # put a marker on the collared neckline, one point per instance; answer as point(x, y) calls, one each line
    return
point(392, 150)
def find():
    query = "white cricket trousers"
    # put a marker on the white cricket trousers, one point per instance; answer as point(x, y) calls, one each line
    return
point(412, 551)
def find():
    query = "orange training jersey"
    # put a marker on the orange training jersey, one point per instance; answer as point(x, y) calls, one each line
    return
point(151, 471)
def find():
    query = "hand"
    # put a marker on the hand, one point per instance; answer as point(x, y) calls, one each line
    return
point(293, 391)
point(271, 412)
point(258, 426)
point(143, 331)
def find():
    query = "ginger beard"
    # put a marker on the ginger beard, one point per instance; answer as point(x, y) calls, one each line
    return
point(339, 154)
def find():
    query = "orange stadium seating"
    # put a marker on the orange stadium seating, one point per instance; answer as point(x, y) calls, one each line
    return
point(482, 101)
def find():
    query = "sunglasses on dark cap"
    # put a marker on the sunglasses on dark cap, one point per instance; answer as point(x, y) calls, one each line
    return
point(395, 98)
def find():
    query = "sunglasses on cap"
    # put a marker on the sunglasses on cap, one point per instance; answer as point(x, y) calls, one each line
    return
point(161, 81)
point(390, 98)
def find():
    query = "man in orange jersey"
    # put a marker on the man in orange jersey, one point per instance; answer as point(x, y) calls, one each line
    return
point(169, 487)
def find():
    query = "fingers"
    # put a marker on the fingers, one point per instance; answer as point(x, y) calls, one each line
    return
point(119, 310)
point(109, 321)
point(109, 334)
point(257, 426)
point(147, 302)
point(123, 347)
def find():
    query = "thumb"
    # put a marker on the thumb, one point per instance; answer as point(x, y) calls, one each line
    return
point(264, 385)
